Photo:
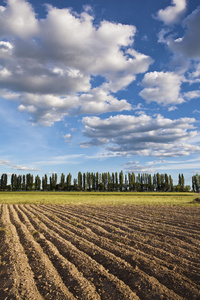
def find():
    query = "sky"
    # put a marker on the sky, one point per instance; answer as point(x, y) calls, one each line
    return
point(100, 86)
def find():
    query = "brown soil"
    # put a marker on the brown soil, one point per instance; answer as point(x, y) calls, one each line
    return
point(93, 252)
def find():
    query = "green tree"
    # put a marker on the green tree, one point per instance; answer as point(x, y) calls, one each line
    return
point(121, 180)
point(162, 182)
point(37, 183)
point(4, 179)
point(69, 181)
point(80, 181)
point(158, 182)
point(93, 182)
point(116, 181)
point(53, 181)
point(13, 182)
point(150, 186)
point(19, 182)
point(84, 181)
point(29, 182)
point(62, 181)
point(166, 183)
point(113, 181)
point(97, 181)
point(196, 183)
point(44, 182)
point(171, 187)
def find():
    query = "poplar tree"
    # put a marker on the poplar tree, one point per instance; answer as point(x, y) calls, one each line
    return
point(13, 182)
point(97, 181)
point(44, 182)
point(62, 181)
point(166, 182)
point(113, 181)
point(171, 183)
point(37, 183)
point(4, 179)
point(150, 187)
point(84, 183)
point(158, 182)
point(80, 179)
point(162, 182)
point(29, 182)
point(116, 181)
point(19, 182)
point(69, 181)
point(121, 180)
point(93, 182)
point(23, 182)
point(182, 182)
point(108, 181)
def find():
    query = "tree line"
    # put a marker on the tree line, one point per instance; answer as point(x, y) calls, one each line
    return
point(99, 182)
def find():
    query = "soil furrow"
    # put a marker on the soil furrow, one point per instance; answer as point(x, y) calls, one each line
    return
point(116, 265)
point(151, 229)
point(48, 281)
point(145, 222)
point(110, 242)
point(19, 281)
point(172, 246)
point(73, 279)
point(90, 252)
point(150, 265)
point(149, 215)
point(107, 285)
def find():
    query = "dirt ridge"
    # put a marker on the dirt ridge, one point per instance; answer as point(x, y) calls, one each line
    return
point(92, 253)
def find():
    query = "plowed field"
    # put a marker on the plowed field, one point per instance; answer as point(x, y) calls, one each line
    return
point(99, 252)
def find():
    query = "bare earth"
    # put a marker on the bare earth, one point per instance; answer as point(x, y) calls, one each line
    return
point(99, 252)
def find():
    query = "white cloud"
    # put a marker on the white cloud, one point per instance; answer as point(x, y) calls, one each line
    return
point(171, 108)
point(142, 135)
point(186, 48)
point(186, 52)
point(47, 109)
point(17, 19)
point(50, 62)
point(192, 94)
point(6, 94)
point(135, 167)
point(189, 44)
point(4, 162)
point(5, 47)
point(67, 137)
point(172, 14)
point(162, 165)
point(162, 88)
point(64, 159)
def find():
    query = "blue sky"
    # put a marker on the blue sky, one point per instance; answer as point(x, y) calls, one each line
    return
point(100, 86)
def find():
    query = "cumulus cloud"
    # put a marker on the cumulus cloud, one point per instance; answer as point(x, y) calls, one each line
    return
point(192, 94)
point(186, 55)
point(51, 62)
point(162, 88)
point(189, 44)
point(17, 19)
point(141, 135)
point(186, 48)
point(172, 14)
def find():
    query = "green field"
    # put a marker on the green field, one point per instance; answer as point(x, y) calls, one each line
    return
point(98, 198)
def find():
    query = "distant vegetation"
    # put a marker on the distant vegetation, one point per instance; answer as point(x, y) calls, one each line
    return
point(110, 182)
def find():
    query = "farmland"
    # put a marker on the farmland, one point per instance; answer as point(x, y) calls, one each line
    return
point(99, 246)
